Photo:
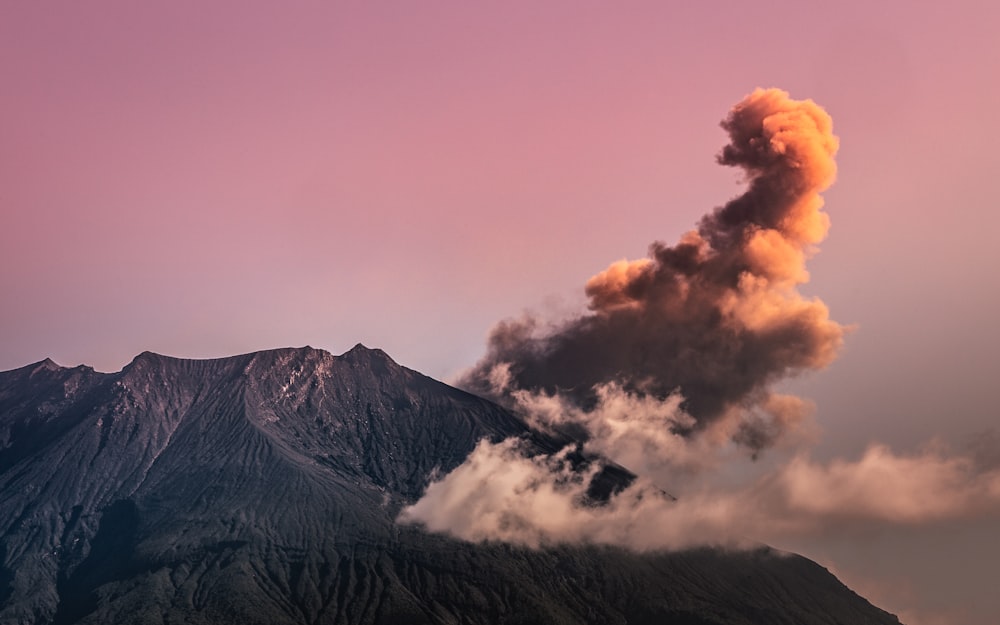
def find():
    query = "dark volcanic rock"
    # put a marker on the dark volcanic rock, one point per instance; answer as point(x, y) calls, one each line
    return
point(262, 489)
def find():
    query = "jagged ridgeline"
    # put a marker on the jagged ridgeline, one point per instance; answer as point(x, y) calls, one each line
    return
point(263, 488)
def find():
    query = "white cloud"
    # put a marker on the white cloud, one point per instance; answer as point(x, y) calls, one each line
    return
point(502, 493)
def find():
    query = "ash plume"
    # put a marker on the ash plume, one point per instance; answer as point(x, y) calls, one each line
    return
point(671, 374)
point(716, 318)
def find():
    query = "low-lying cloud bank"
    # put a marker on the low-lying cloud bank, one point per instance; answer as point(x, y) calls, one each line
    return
point(502, 493)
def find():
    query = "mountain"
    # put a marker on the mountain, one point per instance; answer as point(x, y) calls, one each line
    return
point(263, 488)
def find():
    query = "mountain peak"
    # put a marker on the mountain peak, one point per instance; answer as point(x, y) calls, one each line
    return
point(148, 356)
point(363, 354)
point(361, 348)
point(42, 366)
point(147, 361)
point(47, 365)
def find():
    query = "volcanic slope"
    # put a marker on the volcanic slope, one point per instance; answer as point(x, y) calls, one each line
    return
point(263, 488)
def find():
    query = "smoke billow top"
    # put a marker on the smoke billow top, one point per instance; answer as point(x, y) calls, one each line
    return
point(715, 317)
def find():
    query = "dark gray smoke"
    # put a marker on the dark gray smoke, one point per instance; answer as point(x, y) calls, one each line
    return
point(717, 316)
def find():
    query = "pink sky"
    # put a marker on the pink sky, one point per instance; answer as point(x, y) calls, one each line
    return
point(207, 180)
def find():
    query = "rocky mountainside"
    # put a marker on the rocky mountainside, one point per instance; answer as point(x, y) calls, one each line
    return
point(263, 488)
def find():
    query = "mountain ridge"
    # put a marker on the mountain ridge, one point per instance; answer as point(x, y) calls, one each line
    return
point(264, 487)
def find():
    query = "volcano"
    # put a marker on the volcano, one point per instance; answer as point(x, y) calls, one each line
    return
point(264, 488)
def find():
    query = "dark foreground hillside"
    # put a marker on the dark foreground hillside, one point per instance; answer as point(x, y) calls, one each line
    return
point(262, 489)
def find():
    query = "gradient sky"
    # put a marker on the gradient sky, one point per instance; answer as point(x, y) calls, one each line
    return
point(204, 179)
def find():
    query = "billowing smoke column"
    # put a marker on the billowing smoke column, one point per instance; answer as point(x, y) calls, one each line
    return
point(673, 363)
point(716, 317)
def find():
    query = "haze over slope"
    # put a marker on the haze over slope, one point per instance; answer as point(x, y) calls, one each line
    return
point(264, 488)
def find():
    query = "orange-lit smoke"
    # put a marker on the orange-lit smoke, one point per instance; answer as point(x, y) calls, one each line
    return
point(716, 317)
